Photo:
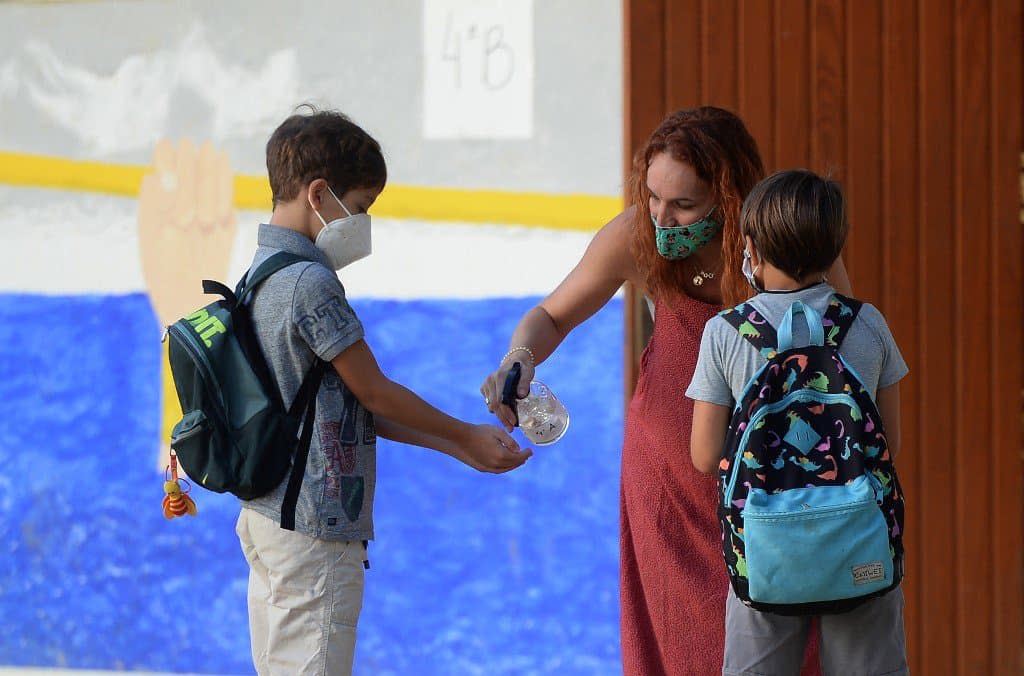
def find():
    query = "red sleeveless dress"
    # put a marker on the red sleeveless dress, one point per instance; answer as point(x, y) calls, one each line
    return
point(673, 580)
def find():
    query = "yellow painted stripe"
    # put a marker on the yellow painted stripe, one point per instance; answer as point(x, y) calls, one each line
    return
point(564, 212)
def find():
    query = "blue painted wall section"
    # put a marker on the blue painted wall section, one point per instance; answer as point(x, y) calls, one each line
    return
point(472, 573)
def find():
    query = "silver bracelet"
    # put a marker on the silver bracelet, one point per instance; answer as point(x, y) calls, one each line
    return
point(521, 348)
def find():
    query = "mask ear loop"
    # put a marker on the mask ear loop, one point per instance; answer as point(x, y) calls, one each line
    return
point(347, 212)
point(308, 199)
point(748, 262)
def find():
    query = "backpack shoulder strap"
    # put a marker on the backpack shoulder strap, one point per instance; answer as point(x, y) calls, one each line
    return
point(305, 402)
point(255, 276)
point(839, 317)
point(753, 328)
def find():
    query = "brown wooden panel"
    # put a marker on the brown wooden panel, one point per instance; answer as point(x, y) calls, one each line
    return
point(1005, 335)
point(683, 60)
point(935, 200)
point(792, 85)
point(828, 88)
point(756, 77)
point(643, 69)
point(719, 54)
point(916, 105)
point(903, 231)
point(972, 362)
point(870, 226)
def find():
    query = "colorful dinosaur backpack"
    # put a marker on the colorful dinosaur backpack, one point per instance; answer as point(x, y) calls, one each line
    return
point(811, 510)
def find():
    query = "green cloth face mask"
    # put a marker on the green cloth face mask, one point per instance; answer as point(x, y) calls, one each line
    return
point(678, 242)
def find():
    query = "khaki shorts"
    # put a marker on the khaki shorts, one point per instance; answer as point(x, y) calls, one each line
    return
point(867, 641)
point(305, 596)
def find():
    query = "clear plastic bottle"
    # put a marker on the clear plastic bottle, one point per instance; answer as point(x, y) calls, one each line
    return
point(542, 417)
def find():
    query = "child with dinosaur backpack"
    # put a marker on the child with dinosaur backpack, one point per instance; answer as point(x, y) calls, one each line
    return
point(796, 404)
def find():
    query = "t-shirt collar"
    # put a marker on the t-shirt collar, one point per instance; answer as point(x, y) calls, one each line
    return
point(800, 290)
point(286, 239)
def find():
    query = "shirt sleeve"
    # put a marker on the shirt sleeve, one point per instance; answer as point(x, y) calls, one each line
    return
point(709, 382)
point(322, 314)
point(894, 368)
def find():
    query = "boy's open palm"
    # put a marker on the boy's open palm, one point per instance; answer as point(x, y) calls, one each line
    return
point(490, 449)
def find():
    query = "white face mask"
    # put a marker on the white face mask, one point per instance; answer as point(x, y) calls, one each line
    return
point(749, 270)
point(344, 240)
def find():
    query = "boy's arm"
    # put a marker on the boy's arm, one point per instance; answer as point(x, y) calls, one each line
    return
point(710, 424)
point(484, 447)
point(712, 398)
point(389, 429)
point(888, 401)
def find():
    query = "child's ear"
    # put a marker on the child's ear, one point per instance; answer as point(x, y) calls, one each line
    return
point(315, 192)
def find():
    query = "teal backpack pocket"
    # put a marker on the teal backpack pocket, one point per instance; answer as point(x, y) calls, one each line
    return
point(192, 428)
point(822, 543)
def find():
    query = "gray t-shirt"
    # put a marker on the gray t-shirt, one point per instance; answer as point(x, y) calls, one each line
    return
point(727, 361)
point(299, 312)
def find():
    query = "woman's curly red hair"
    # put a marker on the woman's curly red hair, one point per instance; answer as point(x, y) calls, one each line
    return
point(718, 146)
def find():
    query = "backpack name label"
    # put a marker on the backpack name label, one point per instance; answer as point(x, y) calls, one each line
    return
point(868, 572)
point(206, 325)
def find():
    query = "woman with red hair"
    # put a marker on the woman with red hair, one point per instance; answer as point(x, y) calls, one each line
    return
point(679, 241)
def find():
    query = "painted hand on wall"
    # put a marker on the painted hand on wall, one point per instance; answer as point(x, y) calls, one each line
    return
point(187, 226)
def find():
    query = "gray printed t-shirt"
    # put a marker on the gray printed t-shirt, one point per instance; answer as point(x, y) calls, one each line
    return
point(727, 361)
point(299, 312)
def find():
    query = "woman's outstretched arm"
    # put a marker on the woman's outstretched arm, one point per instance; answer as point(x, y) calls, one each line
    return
point(605, 266)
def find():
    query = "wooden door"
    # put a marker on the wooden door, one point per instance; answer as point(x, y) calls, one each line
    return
point(916, 108)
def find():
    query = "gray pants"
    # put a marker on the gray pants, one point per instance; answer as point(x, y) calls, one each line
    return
point(867, 641)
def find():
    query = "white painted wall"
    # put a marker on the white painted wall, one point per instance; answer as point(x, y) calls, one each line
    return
point(106, 80)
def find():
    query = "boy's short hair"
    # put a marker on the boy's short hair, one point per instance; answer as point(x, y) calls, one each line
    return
point(322, 144)
point(797, 220)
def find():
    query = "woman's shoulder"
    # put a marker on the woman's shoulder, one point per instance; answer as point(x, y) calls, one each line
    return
point(612, 244)
point(620, 228)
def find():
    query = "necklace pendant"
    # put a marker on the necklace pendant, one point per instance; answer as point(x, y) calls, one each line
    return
point(697, 280)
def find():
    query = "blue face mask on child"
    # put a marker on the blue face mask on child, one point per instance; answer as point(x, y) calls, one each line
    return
point(748, 271)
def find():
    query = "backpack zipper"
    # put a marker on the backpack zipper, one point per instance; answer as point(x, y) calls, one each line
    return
point(831, 509)
point(209, 379)
point(801, 395)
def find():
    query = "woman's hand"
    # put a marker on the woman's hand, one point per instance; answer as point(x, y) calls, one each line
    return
point(605, 265)
point(495, 384)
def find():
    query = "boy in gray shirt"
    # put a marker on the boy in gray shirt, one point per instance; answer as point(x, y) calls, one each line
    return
point(306, 585)
point(794, 225)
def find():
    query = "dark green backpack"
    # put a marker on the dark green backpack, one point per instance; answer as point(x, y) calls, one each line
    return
point(236, 435)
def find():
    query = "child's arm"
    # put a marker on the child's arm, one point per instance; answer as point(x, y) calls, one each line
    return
point(888, 401)
point(481, 446)
point(389, 429)
point(712, 398)
point(710, 423)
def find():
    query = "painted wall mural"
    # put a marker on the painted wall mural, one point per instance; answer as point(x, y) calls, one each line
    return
point(131, 169)
point(187, 227)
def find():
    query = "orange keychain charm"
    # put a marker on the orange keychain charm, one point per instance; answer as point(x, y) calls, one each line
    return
point(177, 502)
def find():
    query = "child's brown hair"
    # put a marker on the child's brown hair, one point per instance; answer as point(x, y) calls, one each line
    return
point(322, 144)
point(797, 220)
